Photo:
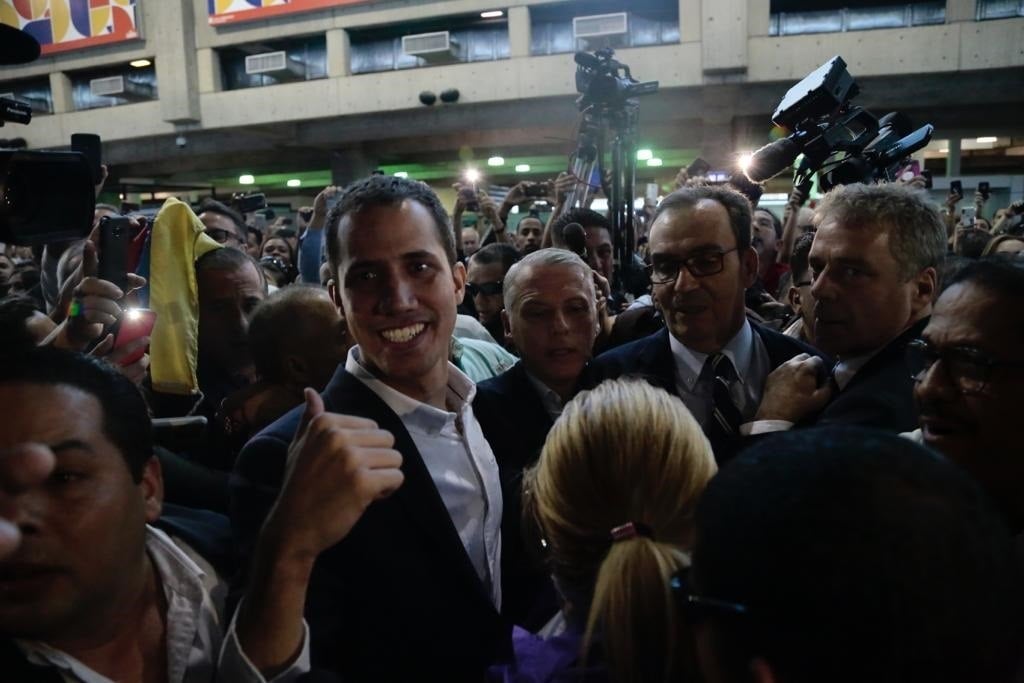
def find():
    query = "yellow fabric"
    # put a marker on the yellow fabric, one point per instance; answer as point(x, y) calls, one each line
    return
point(177, 240)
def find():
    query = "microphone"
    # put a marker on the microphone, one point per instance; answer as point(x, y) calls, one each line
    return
point(575, 239)
point(772, 159)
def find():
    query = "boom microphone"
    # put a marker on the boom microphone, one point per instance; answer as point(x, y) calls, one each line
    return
point(772, 159)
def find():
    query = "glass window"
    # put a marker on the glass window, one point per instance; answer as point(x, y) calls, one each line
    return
point(471, 40)
point(305, 60)
point(35, 93)
point(999, 9)
point(794, 17)
point(113, 86)
point(649, 22)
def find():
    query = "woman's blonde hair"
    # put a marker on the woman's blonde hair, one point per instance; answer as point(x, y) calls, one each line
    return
point(625, 452)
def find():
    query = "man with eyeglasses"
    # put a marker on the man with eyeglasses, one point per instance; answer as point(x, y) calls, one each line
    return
point(709, 354)
point(968, 367)
point(223, 224)
point(874, 262)
point(484, 277)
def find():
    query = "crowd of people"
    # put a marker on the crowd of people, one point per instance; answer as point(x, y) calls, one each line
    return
point(383, 441)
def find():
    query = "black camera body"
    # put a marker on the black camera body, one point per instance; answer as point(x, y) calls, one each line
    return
point(841, 142)
point(599, 81)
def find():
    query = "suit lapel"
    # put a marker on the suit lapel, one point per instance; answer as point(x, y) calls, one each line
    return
point(656, 364)
point(418, 495)
point(523, 393)
point(893, 352)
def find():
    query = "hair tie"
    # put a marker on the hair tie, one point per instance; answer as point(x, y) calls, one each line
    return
point(631, 530)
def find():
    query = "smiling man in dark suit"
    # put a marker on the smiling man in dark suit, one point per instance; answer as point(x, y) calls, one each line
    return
point(709, 354)
point(386, 530)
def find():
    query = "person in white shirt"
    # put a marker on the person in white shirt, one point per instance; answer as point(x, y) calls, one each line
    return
point(381, 522)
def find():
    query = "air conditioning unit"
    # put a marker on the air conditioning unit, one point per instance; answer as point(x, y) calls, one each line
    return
point(435, 48)
point(274, 64)
point(600, 25)
point(119, 86)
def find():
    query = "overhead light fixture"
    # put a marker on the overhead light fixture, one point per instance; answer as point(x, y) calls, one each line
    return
point(496, 161)
point(644, 154)
point(654, 161)
point(944, 150)
point(246, 179)
point(522, 168)
point(294, 182)
point(987, 139)
point(139, 63)
point(401, 174)
point(492, 14)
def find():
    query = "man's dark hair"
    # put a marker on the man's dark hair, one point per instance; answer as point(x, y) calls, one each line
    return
point(126, 420)
point(972, 242)
point(378, 190)
point(799, 260)
point(213, 206)
point(860, 556)
point(279, 321)
point(15, 310)
point(585, 217)
point(997, 274)
point(737, 206)
point(505, 254)
point(229, 259)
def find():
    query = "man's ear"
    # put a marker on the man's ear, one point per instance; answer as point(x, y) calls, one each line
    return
point(793, 297)
point(335, 294)
point(152, 488)
point(459, 278)
point(926, 288)
point(748, 266)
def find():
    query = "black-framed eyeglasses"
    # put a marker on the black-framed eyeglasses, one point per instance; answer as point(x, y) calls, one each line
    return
point(485, 288)
point(969, 369)
point(805, 283)
point(698, 607)
point(706, 263)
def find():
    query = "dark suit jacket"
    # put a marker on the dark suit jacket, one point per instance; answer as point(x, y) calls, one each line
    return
point(881, 394)
point(398, 598)
point(516, 424)
point(651, 358)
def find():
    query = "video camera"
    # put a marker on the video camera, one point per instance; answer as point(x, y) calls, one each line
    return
point(841, 142)
point(598, 80)
point(44, 196)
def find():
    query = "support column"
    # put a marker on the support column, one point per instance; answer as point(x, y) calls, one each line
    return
point(519, 32)
point(689, 21)
point(208, 68)
point(60, 90)
point(339, 53)
point(170, 30)
point(349, 165)
point(959, 10)
point(953, 158)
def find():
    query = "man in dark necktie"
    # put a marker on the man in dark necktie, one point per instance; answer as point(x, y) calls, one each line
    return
point(709, 354)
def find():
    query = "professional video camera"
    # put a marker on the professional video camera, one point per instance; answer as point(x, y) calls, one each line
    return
point(608, 103)
point(44, 196)
point(841, 142)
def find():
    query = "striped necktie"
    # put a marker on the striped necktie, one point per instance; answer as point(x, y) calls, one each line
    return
point(725, 416)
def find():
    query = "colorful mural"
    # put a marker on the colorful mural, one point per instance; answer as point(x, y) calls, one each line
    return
point(227, 11)
point(61, 25)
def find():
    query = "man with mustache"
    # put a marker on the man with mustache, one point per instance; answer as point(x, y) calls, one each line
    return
point(968, 367)
point(873, 270)
point(709, 354)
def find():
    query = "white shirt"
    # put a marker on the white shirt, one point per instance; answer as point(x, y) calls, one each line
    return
point(460, 462)
point(194, 597)
point(749, 357)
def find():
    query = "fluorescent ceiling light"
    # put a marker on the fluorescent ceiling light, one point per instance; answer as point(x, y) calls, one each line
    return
point(654, 162)
point(492, 14)
point(139, 63)
point(401, 174)
point(246, 179)
point(496, 161)
point(522, 168)
point(294, 182)
point(644, 154)
point(988, 139)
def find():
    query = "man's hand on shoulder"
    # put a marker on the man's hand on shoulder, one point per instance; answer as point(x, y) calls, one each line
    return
point(793, 390)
